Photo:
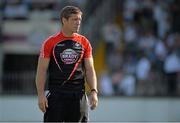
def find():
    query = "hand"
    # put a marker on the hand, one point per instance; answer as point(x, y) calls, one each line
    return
point(93, 100)
point(43, 103)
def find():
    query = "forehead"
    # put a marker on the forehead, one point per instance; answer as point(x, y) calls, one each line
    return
point(79, 15)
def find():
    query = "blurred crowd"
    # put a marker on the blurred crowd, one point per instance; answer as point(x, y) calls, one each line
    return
point(143, 49)
point(141, 37)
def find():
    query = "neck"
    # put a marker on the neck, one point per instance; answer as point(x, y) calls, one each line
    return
point(67, 33)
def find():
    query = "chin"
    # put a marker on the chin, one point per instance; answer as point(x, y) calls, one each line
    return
point(76, 31)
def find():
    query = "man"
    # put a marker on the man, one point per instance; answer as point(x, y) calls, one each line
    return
point(67, 56)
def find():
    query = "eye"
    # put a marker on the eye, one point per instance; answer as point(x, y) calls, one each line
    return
point(77, 19)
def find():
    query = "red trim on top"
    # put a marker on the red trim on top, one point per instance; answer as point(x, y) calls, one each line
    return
point(55, 57)
point(76, 65)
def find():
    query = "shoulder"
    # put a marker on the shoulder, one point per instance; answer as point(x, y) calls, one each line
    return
point(82, 38)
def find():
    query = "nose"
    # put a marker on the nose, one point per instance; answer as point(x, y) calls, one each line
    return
point(78, 22)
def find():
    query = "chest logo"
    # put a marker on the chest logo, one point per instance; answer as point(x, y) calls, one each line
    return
point(69, 56)
point(77, 46)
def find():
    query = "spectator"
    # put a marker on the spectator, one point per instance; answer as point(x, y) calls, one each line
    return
point(143, 68)
point(106, 88)
point(112, 37)
point(172, 66)
point(130, 32)
point(161, 16)
point(127, 85)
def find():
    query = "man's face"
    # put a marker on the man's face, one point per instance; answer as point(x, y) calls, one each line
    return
point(73, 23)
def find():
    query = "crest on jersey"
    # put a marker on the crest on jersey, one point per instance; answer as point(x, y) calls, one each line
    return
point(69, 56)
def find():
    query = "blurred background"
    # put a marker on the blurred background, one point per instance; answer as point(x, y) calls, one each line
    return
point(136, 49)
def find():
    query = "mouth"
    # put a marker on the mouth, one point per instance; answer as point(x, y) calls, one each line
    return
point(76, 27)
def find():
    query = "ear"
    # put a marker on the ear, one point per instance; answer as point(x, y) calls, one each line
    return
point(64, 20)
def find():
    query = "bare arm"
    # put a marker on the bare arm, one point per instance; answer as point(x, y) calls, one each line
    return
point(92, 81)
point(40, 82)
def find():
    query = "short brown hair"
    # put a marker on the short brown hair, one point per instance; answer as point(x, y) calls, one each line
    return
point(68, 10)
